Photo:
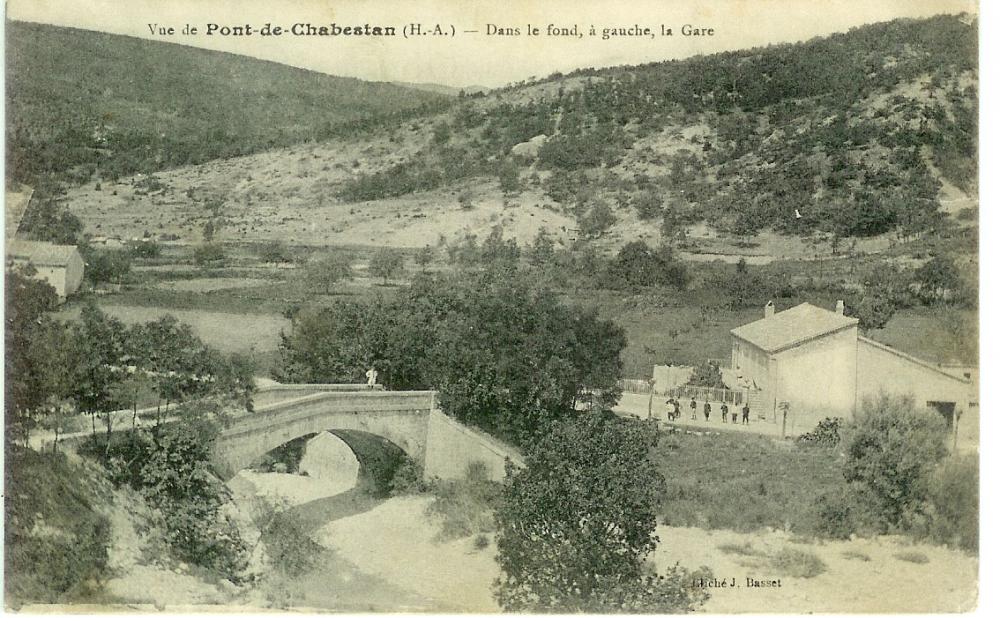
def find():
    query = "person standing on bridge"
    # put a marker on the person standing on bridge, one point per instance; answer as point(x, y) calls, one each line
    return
point(746, 413)
point(725, 412)
point(694, 410)
point(372, 376)
point(708, 410)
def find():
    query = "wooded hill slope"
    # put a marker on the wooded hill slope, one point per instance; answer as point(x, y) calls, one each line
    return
point(854, 134)
point(82, 103)
point(860, 134)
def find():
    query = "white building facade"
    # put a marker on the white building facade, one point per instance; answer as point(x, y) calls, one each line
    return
point(804, 364)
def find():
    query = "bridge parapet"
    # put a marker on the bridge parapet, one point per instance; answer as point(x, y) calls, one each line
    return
point(399, 416)
point(443, 446)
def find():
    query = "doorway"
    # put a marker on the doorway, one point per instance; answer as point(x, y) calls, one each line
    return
point(947, 411)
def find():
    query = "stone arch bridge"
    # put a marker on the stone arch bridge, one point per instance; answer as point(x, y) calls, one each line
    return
point(443, 446)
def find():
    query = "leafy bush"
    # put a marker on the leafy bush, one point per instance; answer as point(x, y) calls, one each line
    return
point(826, 433)
point(707, 374)
point(836, 513)
point(290, 548)
point(796, 563)
point(953, 496)
point(273, 251)
point(465, 507)
point(891, 451)
point(145, 248)
point(386, 263)
point(106, 265)
point(169, 466)
point(208, 253)
point(915, 557)
point(576, 525)
point(740, 549)
point(408, 479)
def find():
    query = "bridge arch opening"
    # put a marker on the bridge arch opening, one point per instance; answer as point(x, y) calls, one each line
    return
point(347, 458)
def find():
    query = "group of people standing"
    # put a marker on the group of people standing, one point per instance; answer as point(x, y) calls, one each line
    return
point(674, 411)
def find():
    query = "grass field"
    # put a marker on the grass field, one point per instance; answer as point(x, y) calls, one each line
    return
point(688, 328)
point(743, 482)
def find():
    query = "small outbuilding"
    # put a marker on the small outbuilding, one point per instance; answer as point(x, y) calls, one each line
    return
point(60, 265)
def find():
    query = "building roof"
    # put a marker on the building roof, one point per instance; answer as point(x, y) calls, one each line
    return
point(791, 327)
point(914, 359)
point(40, 253)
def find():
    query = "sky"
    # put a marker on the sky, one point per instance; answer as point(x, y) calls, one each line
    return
point(478, 58)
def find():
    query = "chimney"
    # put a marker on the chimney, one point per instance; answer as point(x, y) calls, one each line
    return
point(769, 309)
point(840, 307)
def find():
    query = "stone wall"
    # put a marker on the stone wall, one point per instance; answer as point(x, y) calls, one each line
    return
point(452, 447)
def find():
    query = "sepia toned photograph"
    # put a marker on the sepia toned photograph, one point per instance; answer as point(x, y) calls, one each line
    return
point(424, 307)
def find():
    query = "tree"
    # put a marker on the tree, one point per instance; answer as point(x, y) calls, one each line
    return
point(327, 270)
point(386, 263)
point(273, 252)
point(207, 254)
point(510, 181)
point(424, 257)
point(542, 250)
point(32, 380)
point(892, 449)
point(707, 374)
point(637, 264)
point(577, 524)
point(106, 266)
point(648, 205)
point(47, 220)
point(938, 280)
point(596, 220)
point(874, 311)
point(504, 354)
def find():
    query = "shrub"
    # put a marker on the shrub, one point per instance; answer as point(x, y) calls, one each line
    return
point(408, 479)
point(145, 248)
point(915, 557)
point(744, 549)
point(273, 251)
point(385, 264)
point(106, 265)
point(892, 450)
point(290, 548)
point(836, 514)
point(707, 374)
point(826, 433)
point(465, 507)
point(208, 253)
point(169, 466)
point(481, 542)
point(953, 497)
point(797, 563)
point(856, 555)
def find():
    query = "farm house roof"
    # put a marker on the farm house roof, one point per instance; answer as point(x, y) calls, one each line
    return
point(40, 253)
point(791, 327)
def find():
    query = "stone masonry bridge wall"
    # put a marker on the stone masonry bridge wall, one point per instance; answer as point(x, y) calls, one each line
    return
point(442, 446)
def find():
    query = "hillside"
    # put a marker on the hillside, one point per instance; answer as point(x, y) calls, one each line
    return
point(82, 102)
point(860, 132)
point(869, 134)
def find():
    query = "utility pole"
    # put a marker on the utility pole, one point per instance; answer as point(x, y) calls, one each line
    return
point(650, 411)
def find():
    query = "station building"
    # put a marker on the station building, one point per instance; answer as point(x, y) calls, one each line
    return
point(807, 363)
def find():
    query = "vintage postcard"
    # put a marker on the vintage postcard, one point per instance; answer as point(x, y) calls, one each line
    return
point(343, 306)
